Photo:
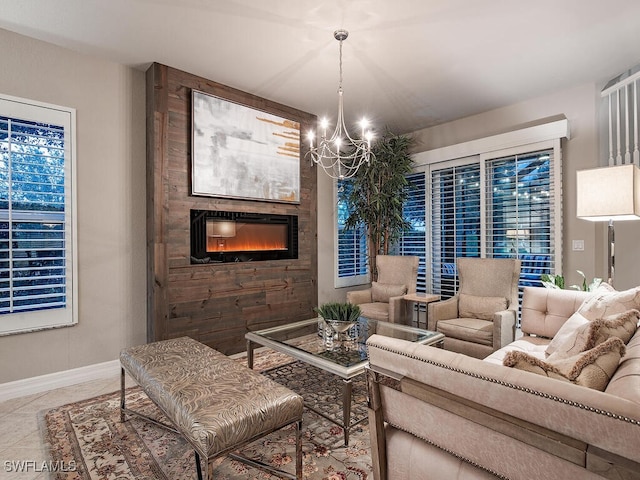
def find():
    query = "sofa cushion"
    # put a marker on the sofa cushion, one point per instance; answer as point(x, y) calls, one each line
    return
point(376, 311)
point(545, 310)
point(473, 306)
point(590, 334)
point(468, 329)
point(381, 292)
point(534, 346)
point(605, 302)
point(592, 368)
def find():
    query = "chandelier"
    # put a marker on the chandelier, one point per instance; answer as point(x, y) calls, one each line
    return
point(340, 155)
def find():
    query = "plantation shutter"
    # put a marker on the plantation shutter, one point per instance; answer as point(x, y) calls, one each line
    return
point(520, 212)
point(414, 240)
point(37, 267)
point(32, 209)
point(455, 223)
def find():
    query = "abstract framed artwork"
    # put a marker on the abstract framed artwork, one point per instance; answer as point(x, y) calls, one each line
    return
point(241, 152)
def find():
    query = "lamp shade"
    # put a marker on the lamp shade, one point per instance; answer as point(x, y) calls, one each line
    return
point(609, 193)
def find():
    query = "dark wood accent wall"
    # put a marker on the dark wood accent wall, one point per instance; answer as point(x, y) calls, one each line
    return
point(216, 303)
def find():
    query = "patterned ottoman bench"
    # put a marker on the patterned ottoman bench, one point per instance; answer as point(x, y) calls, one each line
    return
point(214, 402)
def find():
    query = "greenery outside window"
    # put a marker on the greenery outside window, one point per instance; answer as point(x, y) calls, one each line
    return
point(37, 240)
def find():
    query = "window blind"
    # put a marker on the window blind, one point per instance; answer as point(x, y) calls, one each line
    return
point(414, 240)
point(32, 216)
point(455, 223)
point(520, 212)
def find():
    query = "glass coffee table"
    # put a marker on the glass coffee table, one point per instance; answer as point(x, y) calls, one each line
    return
point(346, 359)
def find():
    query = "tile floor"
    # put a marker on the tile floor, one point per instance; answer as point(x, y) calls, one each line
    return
point(19, 435)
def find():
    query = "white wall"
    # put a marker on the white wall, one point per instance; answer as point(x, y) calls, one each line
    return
point(110, 106)
point(580, 106)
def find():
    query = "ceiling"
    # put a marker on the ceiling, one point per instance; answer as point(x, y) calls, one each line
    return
point(408, 64)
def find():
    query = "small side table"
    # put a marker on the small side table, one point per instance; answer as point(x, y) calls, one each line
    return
point(419, 298)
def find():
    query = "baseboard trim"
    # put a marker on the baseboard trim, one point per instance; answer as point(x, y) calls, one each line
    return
point(43, 383)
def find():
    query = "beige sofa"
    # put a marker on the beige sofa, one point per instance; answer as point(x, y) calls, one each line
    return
point(447, 415)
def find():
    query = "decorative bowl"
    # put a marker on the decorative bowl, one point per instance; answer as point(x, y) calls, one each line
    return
point(340, 326)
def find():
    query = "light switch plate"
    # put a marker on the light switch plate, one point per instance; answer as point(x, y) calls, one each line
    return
point(578, 245)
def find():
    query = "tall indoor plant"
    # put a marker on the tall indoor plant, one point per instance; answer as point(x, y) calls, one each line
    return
point(377, 194)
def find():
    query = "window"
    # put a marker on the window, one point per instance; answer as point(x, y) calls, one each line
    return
point(475, 200)
point(414, 240)
point(455, 222)
point(501, 206)
point(351, 262)
point(37, 288)
point(520, 212)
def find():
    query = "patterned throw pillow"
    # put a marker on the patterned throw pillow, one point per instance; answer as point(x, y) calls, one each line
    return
point(589, 334)
point(566, 335)
point(605, 302)
point(592, 368)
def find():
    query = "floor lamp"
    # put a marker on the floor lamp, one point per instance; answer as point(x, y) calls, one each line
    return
point(609, 194)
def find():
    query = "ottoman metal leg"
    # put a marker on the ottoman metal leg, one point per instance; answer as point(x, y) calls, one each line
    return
point(122, 406)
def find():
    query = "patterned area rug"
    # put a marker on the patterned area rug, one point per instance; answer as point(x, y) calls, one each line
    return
point(89, 435)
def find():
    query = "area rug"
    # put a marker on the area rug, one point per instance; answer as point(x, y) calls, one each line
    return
point(88, 440)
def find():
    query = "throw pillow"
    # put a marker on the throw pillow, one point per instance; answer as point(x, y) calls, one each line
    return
point(592, 368)
point(590, 334)
point(622, 325)
point(524, 361)
point(381, 292)
point(472, 306)
point(567, 334)
point(605, 302)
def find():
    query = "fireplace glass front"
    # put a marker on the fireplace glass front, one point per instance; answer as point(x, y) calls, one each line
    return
point(218, 236)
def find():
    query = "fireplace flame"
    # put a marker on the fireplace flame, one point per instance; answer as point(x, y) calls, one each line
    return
point(250, 238)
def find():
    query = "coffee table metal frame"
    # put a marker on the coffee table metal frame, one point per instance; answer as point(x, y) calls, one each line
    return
point(346, 372)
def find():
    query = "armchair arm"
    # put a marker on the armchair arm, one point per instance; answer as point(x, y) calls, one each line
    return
point(358, 297)
point(504, 328)
point(442, 310)
point(399, 310)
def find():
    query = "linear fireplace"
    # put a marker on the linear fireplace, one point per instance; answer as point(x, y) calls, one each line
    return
point(220, 236)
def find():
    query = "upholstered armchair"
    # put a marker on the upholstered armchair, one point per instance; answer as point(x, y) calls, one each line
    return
point(397, 275)
point(481, 317)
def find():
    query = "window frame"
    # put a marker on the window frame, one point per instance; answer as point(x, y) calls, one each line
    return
point(557, 187)
point(525, 140)
point(448, 272)
point(482, 160)
point(40, 112)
